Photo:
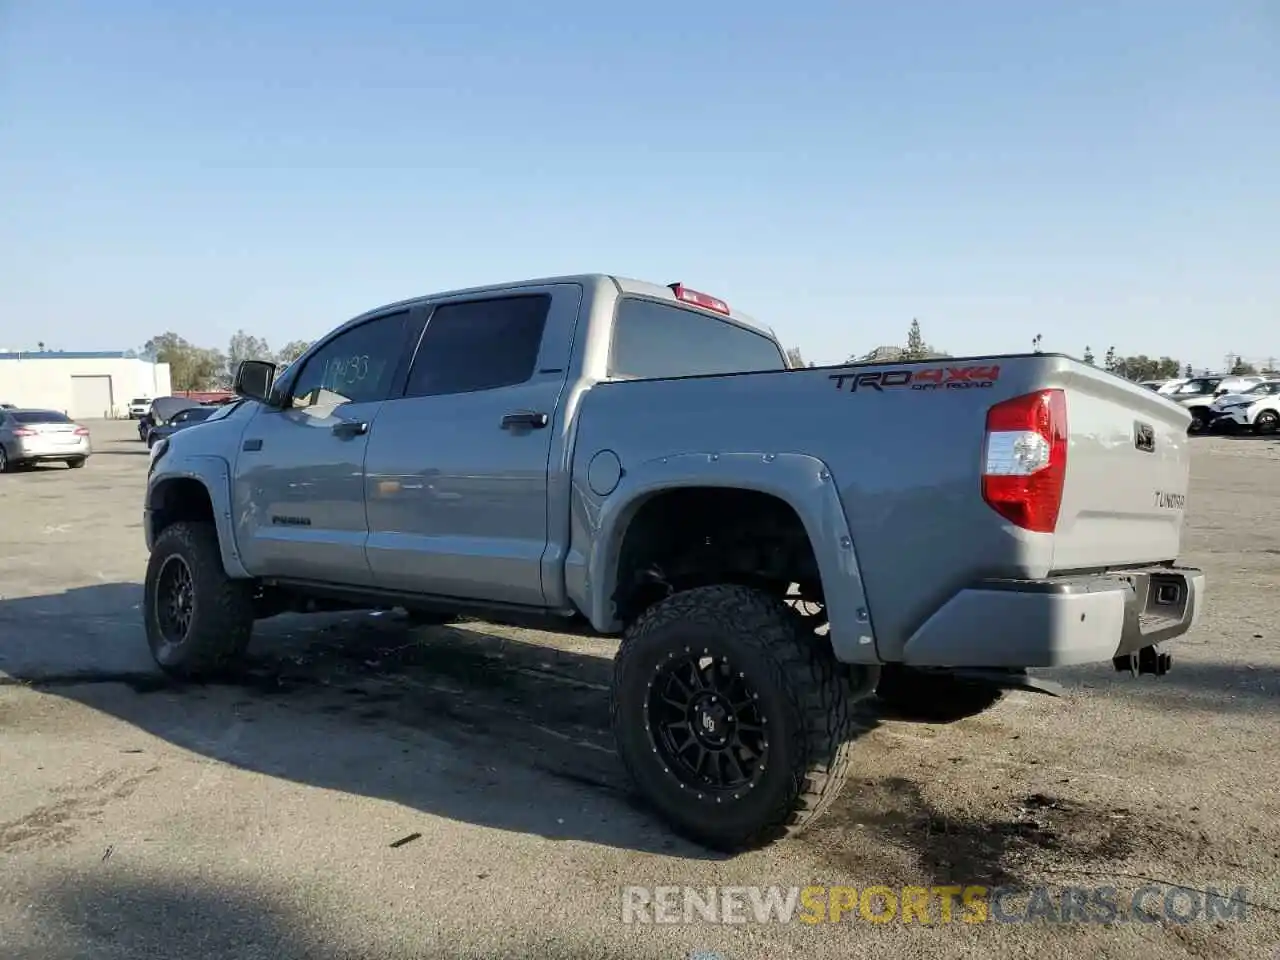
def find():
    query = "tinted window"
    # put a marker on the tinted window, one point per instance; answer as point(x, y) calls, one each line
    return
point(40, 416)
point(188, 416)
point(357, 366)
point(652, 340)
point(479, 345)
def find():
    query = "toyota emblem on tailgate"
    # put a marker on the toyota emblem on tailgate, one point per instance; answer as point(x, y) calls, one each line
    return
point(1144, 437)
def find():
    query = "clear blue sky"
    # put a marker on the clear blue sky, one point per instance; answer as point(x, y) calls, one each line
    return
point(1101, 173)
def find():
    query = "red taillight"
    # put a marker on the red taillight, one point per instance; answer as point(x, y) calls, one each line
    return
point(81, 432)
point(704, 300)
point(1025, 460)
point(23, 432)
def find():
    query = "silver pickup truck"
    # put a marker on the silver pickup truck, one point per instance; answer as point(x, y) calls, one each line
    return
point(771, 544)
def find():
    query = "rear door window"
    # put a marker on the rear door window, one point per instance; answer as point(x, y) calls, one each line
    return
point(652, 340)
point(473, 345)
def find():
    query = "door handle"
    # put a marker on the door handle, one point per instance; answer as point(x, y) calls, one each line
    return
point(350, 428)
point(525, 418)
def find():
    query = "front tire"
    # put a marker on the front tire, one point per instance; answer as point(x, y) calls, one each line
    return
point(198, 620)
point(1267, 422)
point(732, 723)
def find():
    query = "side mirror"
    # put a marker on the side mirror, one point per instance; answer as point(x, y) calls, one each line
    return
point(254, 379)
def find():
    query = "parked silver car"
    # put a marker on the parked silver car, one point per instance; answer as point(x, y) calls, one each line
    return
point(36, 436)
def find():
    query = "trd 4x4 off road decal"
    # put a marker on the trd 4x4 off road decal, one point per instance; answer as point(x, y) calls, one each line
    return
point(925, 378)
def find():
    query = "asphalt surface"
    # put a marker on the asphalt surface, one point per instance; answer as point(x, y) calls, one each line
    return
point(261, 818)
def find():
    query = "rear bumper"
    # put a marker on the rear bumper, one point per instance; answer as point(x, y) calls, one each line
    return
point(31, 452)
point(1060, 622)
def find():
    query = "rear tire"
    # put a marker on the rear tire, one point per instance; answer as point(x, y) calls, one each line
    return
point(1199, 420)
point(768, 709)
point(77, 463)
point(198, 620)
point(5, 465)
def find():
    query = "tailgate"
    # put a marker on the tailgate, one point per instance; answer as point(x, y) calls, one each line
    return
point(1128, 469)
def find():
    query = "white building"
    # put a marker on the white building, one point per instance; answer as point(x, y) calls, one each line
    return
point(82, 385)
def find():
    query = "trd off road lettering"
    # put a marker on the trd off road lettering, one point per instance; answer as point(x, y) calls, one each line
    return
point(930, 378)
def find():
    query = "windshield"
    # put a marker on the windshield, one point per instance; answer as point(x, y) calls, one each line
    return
point(39, 416)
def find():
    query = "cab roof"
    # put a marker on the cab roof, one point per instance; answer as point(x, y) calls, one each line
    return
point(590, 281)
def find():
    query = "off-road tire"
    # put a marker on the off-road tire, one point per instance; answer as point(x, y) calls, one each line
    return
point(222, 609)
point(933, 697)
point(802, 692)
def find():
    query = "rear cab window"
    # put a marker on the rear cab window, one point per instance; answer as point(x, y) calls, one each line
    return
point(653, 340)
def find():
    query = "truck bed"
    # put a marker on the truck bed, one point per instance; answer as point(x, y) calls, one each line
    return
point(905, 445)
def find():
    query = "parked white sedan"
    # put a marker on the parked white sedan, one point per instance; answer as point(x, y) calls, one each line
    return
point(37, 436)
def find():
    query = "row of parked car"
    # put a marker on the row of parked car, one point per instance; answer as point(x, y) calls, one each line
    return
point(1236, 403)
point(165, 416)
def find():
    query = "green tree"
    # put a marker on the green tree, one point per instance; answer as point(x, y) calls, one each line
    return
point(291, 351)
point(916, 349)
point(1187, 372)
point(245, 346)
point(190, 367)
point(1166, 368)
point(1110, 360)
point(1088, 355)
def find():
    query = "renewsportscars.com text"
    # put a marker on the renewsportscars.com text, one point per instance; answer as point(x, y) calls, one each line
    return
point(968, 904)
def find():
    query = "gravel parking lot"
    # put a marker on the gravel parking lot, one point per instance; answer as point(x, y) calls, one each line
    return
point(261, 818)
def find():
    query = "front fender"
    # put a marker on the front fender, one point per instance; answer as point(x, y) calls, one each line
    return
point(600, 522)
point(214, 474)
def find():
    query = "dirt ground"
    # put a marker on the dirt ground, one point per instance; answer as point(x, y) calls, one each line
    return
point(263, 818)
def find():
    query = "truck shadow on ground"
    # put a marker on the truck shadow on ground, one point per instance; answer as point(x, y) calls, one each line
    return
point(476, 727)
point(119, 913)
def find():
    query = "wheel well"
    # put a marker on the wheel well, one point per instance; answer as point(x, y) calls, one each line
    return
point(697, 536)
point(177, 500)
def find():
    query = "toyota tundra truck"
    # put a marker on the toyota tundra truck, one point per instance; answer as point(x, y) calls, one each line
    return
point(772, 545)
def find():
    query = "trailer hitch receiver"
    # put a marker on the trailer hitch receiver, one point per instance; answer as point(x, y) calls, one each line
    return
point(1148, 659)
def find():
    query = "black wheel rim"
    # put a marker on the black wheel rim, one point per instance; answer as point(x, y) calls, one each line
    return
point(175, 599)
point(705, 723)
